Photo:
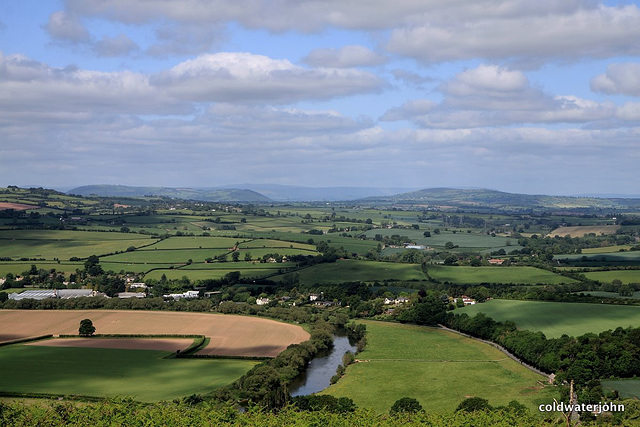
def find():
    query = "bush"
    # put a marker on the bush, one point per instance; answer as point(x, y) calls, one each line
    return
point(474, 404)
point(405, 405)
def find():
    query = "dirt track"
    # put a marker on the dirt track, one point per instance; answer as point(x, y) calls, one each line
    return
point(230, 335)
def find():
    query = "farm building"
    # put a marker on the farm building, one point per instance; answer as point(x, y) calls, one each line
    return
point(54, 293)
point(126, 295)
point(262, 301)
point(496, 261)
point(187, 294)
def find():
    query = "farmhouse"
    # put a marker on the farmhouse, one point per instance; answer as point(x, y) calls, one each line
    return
point(396, 301)
point(187, 294)
point(496, 261)
point(262, 301)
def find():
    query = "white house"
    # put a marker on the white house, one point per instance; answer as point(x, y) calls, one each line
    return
point(262, 301)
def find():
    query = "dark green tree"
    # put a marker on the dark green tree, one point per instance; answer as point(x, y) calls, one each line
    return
point(86, 328)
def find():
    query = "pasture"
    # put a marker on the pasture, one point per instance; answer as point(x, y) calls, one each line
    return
point(465, 241)
point(628, 388)
point(145, 375)
point(216, 273)
point(230, 335)
point(50, 244)
point(600, 259)
point(556, 318)
point(606, 249)
point(626, 276)
point(580, 231)
point(434, 366)
point(465, 275)
point(360, 271)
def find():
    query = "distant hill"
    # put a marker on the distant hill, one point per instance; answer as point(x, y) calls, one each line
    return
point(205, 195)
point(292, 193)
point(467, 198)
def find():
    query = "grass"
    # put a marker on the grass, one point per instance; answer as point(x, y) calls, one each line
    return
point(51, 244)
point(196, 243)
point(626, 276)
point(606, 249)
point(557, 318)
point(355, 270)
point(438, 368)
point(22, 266)
point(605, 294)
point(248, 273)
point(512, 274)
point(626, 388)
point(142, 374)
point(464, 240)
point(166, 256)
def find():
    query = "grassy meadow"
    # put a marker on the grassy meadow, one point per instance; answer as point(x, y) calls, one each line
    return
point(356, 270)
point(496, 274)
point(626, 276)
point(627, 388)
point(556, 318)
point(434, 367)
point(144, 375)
point(64, 244)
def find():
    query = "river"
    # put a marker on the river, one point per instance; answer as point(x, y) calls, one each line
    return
point(318, 375)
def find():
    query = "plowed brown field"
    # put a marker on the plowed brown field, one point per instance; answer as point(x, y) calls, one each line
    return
point(230, 335)
point(16, 206)
point(161, 344)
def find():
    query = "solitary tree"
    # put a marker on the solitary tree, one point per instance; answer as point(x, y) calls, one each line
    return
point(86, 328)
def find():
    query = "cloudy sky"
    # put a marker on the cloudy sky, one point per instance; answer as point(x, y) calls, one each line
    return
point(515, 95)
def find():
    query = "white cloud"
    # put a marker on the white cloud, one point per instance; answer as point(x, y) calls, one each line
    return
point(66, 27)
point(433, 31)
point(345, 57)
point(619, 79)
point(115, 46)
point(243, 77)
point(493, 96)
point(586, 31)
point(31, 86)
point(185, 39)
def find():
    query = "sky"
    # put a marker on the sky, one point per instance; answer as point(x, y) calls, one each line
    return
point(538, 97)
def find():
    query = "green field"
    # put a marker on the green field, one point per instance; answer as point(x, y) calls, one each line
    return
point(601, 259)
point(626, 388)
point(438, 368)
point(141, 374)
point(19, 267)
point(606, 249)
point(196, 243)
point(464, 240)
point(214, 273)
point(473, 275)
point(362, 271)
point(556, 318)
point(626, 276)
point(164, 256)
point(605, 294)
point(51, 244)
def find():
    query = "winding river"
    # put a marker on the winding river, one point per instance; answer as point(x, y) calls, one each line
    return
point(318, 375)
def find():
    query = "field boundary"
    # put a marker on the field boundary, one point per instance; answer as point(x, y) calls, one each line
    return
point(502, 349)
point(29, 339)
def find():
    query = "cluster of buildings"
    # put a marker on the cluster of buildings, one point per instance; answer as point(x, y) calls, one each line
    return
point(39, 294)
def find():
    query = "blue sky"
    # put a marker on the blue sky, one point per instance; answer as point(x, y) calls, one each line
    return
point(520, 96)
